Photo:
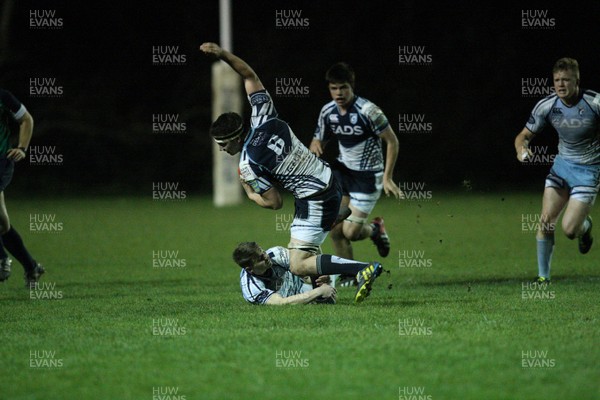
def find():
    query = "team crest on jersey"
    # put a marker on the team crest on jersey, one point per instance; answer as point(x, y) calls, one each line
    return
point(581, 111)
point(334, 118)
point(353, 118)
point(259, 98)
point(259, 137)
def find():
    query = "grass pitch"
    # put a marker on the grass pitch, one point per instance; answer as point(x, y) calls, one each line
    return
point(141, 301)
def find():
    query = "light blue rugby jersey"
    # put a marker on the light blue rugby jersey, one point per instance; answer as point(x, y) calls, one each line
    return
point(273, 154)
point(258, 289)
point(577, 126)
point(357, 131)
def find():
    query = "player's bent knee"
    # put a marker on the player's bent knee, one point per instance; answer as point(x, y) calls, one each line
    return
point(571, 232)
point(337, 233)
point(353, 227)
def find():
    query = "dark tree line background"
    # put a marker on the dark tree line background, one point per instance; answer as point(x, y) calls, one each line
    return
point(102, 56)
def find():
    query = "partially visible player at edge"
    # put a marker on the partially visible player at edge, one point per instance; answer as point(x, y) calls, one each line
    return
point(574, 178)
point(265, 278)
point(359, 126)
point(11, 109)
point(272, 154)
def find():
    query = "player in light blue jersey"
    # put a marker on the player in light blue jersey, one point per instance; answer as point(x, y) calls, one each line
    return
point(359, 126)
point(266, 278)
point(272, 157)
point(574, 178)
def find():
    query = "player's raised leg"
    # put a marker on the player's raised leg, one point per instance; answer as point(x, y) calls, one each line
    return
point(553, 202)
point(303, 262)
point(576, 223)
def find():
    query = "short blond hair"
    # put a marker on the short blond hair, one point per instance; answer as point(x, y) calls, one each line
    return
point(566, 64)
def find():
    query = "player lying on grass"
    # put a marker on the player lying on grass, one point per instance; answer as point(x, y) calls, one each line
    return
point(574, 178)
point(272, 155)
point(266, 278)
point(359, 126)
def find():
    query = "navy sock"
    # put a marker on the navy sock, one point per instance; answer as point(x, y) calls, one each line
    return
point(14, 244)
point(330, 265)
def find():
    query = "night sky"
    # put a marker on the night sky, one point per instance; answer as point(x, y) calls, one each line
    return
point(480, 70)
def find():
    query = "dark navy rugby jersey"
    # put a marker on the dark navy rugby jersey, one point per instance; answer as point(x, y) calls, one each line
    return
point(273, 154)
point(357, 131)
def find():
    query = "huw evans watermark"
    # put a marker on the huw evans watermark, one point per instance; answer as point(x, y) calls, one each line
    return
point(536, 359)
point(413, 259)
point(47, 359)
point(291, 87)
point(411, 55)
point(167, 259)
point(168, 123)
point(167, 327)
point(45, 19)
point(414, 124)
point(168, 191)
point(167, 55)
point(537, 19)
point(414, 327)
point(291, 19)
point(290, 359)
point(413, 393)
point(167, 393)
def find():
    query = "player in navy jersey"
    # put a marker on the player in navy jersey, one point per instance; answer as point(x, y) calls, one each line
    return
point(272, 157)
point(574, 178)
point(359, 125)
point(266, 278)
point(12, 110)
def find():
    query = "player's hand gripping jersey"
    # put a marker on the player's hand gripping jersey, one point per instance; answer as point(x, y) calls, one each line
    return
point(273, 154)
point(357, 131)
point(577, 126)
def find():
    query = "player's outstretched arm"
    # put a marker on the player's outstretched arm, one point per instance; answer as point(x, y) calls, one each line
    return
point(324, 290)
point(522, 144)
point(391, 155)
point(251, 81)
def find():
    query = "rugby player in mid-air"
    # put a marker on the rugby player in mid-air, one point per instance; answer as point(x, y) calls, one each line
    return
point(574, 178)
point(272, 155)
point(360, 126)
point(266, 278)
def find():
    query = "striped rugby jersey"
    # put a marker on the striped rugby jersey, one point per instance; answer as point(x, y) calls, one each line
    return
point(357, 132)
point(577, 126)
point(258, 289)
point(273, 154)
